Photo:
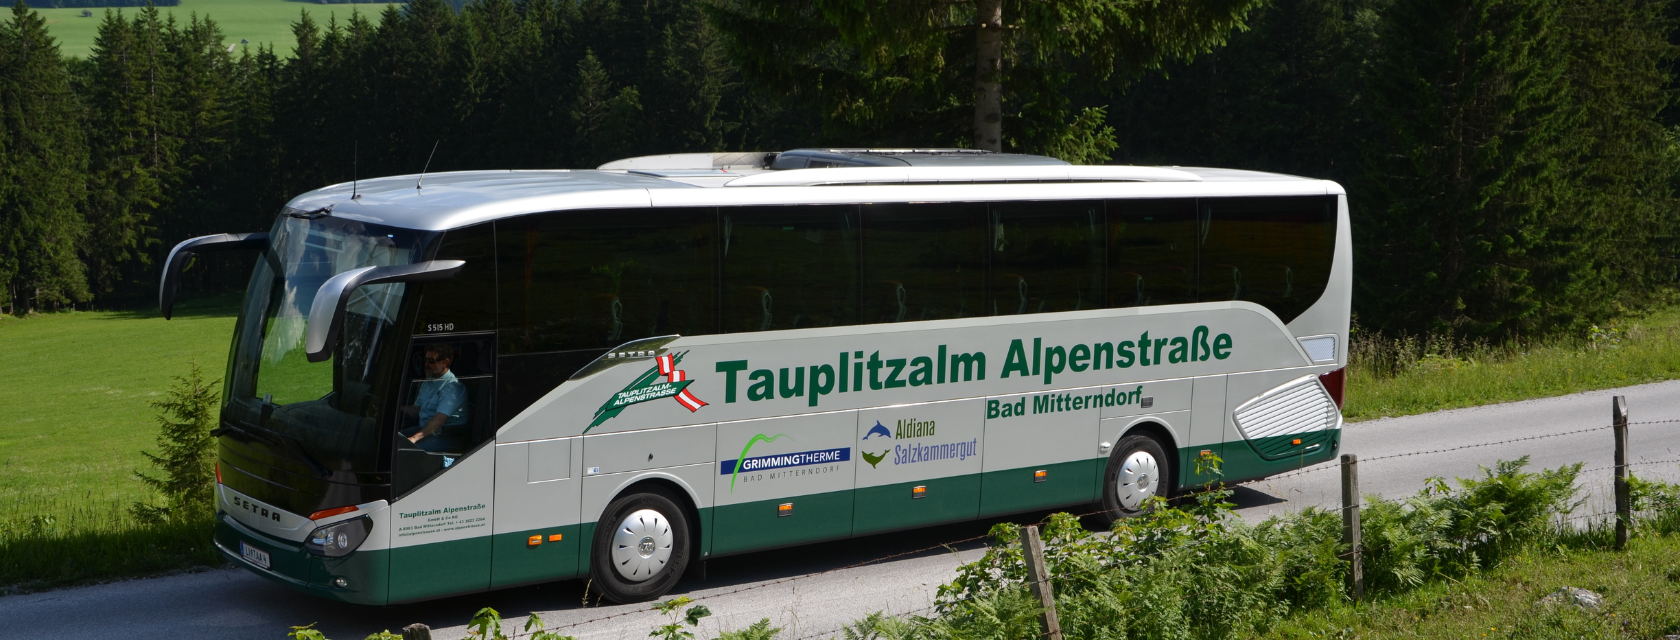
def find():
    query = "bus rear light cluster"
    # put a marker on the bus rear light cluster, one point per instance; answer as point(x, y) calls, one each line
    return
point(339, 539)
point(218, 473)
point(1335, 382)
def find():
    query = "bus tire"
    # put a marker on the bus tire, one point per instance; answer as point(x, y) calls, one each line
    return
point(1138, 469)
point(641, 547)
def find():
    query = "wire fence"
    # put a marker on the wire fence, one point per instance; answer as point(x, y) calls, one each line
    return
point(1185, 495)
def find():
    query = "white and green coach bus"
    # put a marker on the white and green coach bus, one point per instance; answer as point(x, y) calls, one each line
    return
point(496, 378)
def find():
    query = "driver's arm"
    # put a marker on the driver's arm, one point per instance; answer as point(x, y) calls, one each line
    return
point(431, 427)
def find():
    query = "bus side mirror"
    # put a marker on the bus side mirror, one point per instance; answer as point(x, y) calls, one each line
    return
point(171, 281)
point(326, 313)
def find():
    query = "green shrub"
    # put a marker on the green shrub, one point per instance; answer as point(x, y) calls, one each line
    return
point(186, 477)
point(1446, 532)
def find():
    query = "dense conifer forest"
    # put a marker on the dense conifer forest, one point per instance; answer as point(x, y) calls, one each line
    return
point(1512, 164)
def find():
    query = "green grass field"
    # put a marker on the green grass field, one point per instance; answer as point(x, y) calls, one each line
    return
point(1388, 377)
point(1641, 600)
point(76, 400)
point(257, 21)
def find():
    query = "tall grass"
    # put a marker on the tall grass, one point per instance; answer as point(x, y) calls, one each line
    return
point(1405, 375)
point(51, 542)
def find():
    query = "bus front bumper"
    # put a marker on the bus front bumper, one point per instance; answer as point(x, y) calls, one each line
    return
point(364, 573)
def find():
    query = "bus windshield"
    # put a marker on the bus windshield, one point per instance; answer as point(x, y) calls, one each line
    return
point(321, 415)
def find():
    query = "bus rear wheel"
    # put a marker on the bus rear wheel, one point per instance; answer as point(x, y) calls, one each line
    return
point(641, 547)
point(1138, 470)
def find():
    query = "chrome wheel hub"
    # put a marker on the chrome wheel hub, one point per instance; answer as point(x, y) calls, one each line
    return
point(641, 545)
point(1139, 477)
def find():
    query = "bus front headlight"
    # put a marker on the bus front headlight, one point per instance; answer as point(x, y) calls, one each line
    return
point(340, 538)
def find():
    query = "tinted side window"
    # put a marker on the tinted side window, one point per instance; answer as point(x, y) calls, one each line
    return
point(1151, 252)
point(466, 302)
point(1046, 257)
point(597, 279)
point(789, 267)
point(924, 261)
point(1272, 251)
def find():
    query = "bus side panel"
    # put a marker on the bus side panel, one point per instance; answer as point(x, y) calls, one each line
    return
point(935, 446)
point(537, 488)
point(807, 462)
point(1029, 433)
point(1207, 430)
point(441, 542)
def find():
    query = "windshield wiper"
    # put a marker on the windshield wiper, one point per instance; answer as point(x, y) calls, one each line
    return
point(229, 428)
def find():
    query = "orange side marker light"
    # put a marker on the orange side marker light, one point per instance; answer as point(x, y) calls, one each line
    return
point(555, 537)
point(533, 541)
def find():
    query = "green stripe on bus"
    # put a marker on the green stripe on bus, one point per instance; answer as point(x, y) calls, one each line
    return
point(440, 569)
point(1065, 483)
point(752, 526)
point(894, 506)
point(518, 562)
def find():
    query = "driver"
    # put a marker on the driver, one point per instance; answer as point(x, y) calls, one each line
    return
point(442, 406)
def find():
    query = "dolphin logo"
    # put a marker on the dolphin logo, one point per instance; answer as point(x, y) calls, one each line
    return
point(878, 430)
point(872, 460)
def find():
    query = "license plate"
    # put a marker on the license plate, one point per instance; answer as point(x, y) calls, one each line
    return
point(254, 555)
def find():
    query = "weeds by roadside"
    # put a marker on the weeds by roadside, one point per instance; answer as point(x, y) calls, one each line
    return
point(1405, 375)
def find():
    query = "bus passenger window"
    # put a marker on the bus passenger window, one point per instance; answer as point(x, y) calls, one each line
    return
point(1046, 257)
point(1151, 252)
point(788, 267)
point(1275, 252)
point(924, 261)
point(574, 280)
point(446, 408)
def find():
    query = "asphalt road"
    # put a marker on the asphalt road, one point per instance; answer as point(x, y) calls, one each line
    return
point(232, 604)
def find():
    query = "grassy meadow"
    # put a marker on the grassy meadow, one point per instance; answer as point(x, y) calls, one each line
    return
point(1404, 376)
point(257, 21)
point(1641, 589)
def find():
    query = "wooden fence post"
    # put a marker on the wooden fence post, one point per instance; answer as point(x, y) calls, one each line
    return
point(1624, 500)
point(1350, 525)
point(1039, 577)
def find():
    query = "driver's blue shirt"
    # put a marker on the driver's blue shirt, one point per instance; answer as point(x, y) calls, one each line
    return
point(444, 395)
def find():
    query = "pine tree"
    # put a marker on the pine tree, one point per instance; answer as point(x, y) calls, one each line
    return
point(43, 158)
point(683, 84)
point(185, 458)
point(989, 73)
point(604, 119)
point(1465, 230)
point(1621, 209)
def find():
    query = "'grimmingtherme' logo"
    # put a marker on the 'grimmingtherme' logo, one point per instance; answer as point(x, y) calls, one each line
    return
point(733, 468)
point(648, 387)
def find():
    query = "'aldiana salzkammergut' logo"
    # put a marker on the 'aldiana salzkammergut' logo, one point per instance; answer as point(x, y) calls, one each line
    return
point(648, 387)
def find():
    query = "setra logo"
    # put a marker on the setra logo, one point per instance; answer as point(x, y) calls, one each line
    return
point(256, 508)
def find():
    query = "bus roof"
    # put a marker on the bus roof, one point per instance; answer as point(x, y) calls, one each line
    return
point(441, 201)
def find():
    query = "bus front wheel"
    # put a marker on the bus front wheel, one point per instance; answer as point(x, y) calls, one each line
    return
point(1138, 470)
point(641, 547)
